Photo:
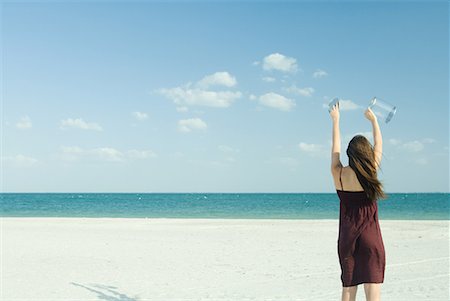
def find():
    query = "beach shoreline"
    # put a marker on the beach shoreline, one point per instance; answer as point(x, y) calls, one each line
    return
point(137, 259)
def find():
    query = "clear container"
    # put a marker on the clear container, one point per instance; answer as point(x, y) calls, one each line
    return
point(332, 103)
point(382, 109)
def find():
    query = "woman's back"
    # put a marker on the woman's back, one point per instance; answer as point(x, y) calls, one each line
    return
point(347, 180)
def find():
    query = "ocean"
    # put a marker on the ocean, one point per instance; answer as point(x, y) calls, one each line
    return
point(403, 206)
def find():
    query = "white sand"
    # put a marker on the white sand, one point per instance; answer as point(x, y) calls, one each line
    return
point(192, 259)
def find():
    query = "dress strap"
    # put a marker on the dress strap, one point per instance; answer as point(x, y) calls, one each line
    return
point(342, 186)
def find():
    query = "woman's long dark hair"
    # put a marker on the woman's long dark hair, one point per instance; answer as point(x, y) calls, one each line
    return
point(361, 158)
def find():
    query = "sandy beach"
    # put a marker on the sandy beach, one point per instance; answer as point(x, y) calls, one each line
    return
point(208, 259)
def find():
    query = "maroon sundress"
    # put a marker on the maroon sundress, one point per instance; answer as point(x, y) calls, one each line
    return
point(360, 244)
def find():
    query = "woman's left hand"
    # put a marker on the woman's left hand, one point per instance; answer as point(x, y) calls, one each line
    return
point(334, 113)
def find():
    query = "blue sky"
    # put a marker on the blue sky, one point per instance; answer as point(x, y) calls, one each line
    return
point(218, 97)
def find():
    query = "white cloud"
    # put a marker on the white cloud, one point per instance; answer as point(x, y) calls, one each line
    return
point(187, 125)
point(182, 109)
point(413, 146)
point(24, 123)
point(347, 105)
point(311, 148)
point(319, 73)
point(178, 155)
point(228, 153)
point(104, 153)
point(308, 91)
point(269, 79)
point(20, 161)
point(252, 97)
point(198, 94)
point(71, 150)
point(277, 61)
point(141, 154)
point(227, 149)
point(71, 153)
point(80, 124)
point(187, 96)
point(428, 140)
point(276, 101)
point(394, 141)
point(140, 116)
point(108, 154)
point(422, 161)
point(230, 159)
point(217, 79)
point(256, 63)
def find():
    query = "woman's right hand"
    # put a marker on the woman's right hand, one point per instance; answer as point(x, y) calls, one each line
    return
point(370, 115)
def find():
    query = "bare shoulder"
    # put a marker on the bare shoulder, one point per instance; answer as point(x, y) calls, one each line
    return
point(348, 173)
point(350, 179)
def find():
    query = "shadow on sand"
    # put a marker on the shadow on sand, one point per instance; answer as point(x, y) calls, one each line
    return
point(105, 292)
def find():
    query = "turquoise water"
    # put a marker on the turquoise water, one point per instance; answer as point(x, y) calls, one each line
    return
point(433, 206)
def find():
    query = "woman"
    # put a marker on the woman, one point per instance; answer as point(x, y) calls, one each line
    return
point(360, 244)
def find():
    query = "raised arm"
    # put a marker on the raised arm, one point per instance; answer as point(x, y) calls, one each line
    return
point(336, 140)
point(377, 139)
